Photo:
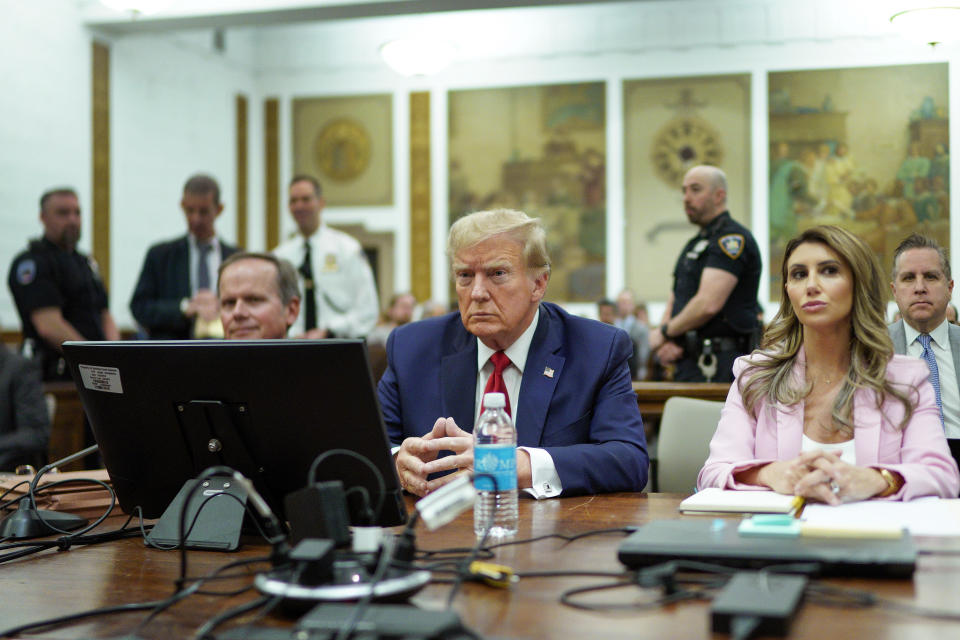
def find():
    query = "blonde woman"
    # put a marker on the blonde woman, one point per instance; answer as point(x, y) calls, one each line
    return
point(824, 409)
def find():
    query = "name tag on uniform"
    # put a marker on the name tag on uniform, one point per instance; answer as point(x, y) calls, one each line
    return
point(698, 248)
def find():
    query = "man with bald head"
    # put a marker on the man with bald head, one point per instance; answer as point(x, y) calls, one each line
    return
point(711, 314)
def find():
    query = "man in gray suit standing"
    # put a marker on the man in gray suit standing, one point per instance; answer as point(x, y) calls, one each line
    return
point(922, 285)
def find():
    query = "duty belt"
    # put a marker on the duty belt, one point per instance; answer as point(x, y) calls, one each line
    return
point(706, 349)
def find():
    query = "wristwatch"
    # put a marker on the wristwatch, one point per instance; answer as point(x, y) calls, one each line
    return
point(894, 482)
point(663, 332)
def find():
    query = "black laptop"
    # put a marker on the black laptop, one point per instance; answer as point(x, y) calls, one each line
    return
point(717, 541)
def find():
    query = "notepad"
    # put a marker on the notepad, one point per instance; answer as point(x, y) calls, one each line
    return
point(715, 500)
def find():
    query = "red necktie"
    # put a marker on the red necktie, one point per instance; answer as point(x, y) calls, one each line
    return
point(495, 382)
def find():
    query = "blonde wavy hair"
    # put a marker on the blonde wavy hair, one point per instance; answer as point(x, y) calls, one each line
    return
point(768, 374)
point(476, 227)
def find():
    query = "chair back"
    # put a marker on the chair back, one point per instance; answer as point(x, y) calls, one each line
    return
point(684, 442)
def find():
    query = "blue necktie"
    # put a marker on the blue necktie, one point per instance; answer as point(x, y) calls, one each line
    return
point(927, 355)
point(203, 269)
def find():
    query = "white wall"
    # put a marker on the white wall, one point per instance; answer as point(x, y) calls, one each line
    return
point(172, 100)
point(611, 43)
point(173, 115)
point(44, 122)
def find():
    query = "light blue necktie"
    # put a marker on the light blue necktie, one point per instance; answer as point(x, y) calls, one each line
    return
point(203, 269)
point(927, 355)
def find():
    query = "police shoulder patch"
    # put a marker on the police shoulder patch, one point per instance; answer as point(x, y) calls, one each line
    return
point(732, 244)
point(26, 271)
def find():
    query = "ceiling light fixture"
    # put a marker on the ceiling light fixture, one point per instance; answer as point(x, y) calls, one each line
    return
point(931, 25)
point(418, 57)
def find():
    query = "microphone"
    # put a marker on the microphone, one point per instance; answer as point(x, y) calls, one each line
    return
point(271, 524)
point(29, 522)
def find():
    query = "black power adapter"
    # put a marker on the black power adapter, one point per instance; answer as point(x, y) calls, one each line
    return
point(757, 602)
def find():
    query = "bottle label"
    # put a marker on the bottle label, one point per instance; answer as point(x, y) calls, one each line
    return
point(499, 461)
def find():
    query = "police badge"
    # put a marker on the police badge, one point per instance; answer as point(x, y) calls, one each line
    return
point(732, 244)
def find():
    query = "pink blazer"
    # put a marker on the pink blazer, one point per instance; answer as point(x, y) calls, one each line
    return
point(918, 452)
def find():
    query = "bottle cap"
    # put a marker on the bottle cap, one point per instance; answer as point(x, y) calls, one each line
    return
point(494, 401)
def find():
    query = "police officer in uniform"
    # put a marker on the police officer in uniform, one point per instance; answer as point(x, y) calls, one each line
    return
point(711, 316)
point(57, 290)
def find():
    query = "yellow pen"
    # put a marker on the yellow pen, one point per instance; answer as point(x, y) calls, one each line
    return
point(796, 507)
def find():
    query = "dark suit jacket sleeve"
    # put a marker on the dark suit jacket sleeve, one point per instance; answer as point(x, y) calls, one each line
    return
point(614, 455)
point(156, 303)
point(24, 422)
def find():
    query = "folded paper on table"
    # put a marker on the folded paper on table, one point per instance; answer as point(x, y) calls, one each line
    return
point(73, 497)
point(714, 500)
point(921, 517)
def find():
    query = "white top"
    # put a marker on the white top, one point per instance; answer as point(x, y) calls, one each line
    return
point(343, 282)
point(848, 452)
point(949, 391)
point(545, 481)
point(213, 262)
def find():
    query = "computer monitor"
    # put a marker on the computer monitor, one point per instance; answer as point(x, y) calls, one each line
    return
point(163, 411)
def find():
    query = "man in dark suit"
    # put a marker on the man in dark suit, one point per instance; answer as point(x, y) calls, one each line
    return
point(922, 286)
point(567, 378)
point(174, 298)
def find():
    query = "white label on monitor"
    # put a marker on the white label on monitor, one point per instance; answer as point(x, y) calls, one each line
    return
point(101, 378)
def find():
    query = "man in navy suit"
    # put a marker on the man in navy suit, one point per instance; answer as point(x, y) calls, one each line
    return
point(174, 298)
point(567, 378)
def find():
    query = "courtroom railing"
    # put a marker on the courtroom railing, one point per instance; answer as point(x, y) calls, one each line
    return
point(652, 395)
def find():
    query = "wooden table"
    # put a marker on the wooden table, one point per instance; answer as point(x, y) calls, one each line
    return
point(124, 571)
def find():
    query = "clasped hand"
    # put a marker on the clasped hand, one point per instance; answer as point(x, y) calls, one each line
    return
point(822, 476)
point(418, 457)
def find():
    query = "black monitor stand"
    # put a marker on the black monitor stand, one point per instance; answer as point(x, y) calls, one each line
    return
point(215, 510)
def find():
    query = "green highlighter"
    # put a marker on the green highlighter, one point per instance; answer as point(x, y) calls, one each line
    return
point(781, 525)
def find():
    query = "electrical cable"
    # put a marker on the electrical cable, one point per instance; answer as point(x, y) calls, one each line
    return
point(662, 575)
point(204, 631)
point(383, 564)
point(12, 501)
point(567, 538)
point(486, 551)
point(465, 567)
point(278, 598)
point(206, 473)
point(381, 483)
point(73, 617)
point(92, 525)
point(195, 588)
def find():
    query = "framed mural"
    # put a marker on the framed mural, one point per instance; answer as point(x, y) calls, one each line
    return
point(671, 125)
point(541, 150)
point(867, 149)
point(347, 143)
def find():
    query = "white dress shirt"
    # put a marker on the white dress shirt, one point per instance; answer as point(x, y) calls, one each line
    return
point(343, 282)
point(213, 262)
point(949, 392)
point(545, 482)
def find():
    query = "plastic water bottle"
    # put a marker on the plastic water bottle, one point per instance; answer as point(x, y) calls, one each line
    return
point(495, 454)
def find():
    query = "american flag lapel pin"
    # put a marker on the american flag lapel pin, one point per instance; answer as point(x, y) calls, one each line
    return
point(547, 371)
